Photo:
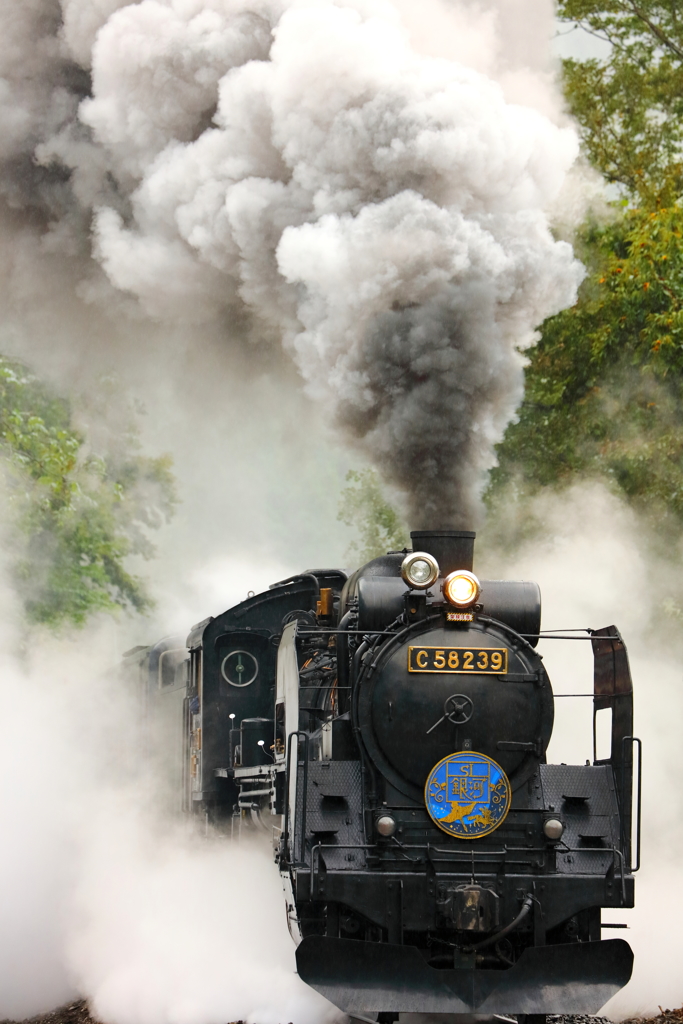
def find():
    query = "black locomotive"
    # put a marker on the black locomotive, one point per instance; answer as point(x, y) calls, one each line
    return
point(390, 730)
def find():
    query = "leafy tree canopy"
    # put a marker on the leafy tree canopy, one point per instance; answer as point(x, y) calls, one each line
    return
point(630, 105)
point(78, 514)
point(604, 385)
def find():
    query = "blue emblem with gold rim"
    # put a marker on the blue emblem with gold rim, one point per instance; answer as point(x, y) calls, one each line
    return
point(467, 794)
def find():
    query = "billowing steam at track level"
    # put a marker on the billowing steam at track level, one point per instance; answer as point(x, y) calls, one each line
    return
point(307, 175)
point(391, 734)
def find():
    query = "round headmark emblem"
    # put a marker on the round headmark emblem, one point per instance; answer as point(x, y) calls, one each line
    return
point(467, 795)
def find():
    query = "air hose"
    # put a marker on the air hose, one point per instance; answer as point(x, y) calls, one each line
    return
point(497, 936)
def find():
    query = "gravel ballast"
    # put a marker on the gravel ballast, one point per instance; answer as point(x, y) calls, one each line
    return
point(78, 1013)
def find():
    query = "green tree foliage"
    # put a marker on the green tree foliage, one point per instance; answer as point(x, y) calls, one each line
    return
point(77, 514)
point(604, 385)
point(630, 105)
point(364, 507)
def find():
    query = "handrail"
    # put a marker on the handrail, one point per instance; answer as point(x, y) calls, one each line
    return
point(514, 849)
point(480, 618)
point(298, 734)
point(639, 780)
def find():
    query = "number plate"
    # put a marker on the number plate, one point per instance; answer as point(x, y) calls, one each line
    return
point(482, 660)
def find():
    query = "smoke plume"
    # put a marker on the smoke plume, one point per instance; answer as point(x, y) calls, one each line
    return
point(363, 187)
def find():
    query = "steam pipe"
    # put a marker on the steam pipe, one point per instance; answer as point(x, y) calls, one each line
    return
point(316, 586)
point(497, 936)
point(343, 651)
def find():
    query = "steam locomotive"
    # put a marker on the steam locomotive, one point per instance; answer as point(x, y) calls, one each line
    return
point(389, 728)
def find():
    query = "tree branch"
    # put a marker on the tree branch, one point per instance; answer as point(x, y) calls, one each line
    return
point(602, 34)
point(654, 28)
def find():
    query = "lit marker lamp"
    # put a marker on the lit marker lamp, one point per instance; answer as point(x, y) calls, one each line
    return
point(461, 588)
point(419, 570)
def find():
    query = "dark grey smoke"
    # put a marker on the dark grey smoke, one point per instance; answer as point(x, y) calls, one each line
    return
point(301, 174)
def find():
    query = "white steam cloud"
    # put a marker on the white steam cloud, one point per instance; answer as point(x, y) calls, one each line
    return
point(102, 893)
point(366, 188)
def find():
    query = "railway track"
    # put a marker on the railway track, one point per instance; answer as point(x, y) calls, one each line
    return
point(78, 1013)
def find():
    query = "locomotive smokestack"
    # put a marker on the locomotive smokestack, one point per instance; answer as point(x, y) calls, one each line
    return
point(453, 549)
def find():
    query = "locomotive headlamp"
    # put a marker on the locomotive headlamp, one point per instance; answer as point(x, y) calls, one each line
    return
point(385, 824)
point(553, 828)
point(420, 570)
point(461, 588)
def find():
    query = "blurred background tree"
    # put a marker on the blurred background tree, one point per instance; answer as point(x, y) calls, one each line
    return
point(604, 384)
point(629, 105)
point(365, 507)
point(76, 514)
